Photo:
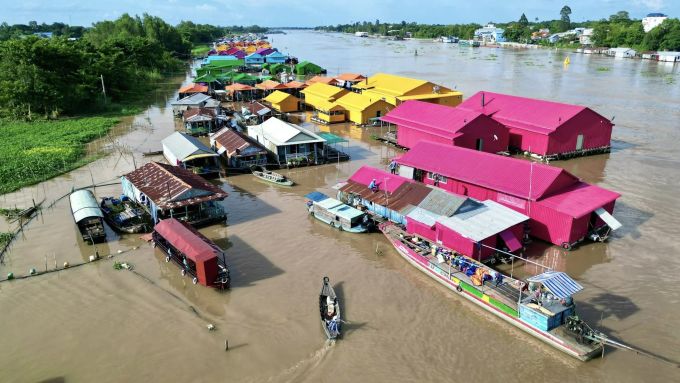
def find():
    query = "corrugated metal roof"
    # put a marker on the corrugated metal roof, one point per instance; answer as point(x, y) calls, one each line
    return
point(531, 114)
point(444, 203)
point(84, 205)
point(278, 97)
point(579, 199)
point(284, 133)
point(198, 111)
point(295, 85)
point(194, 99)
point(559, 283)
point(485, 221)
point(316, 196)
point(183, 146)
point(505, 174)
point(433, 118)
point(423, 216)
point(188, 240)
point(233, 141)
point(390, 84)
point(325, 91)
point(396, 194)
point(167, 186)
point(357, 101)
point(351, 77)
point(270, 85)
point(194, 88)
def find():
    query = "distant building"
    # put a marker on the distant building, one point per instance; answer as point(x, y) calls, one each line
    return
point(652, 21)
point(621, 52)
point(490, 34)
point(541, 34)
point(361, 34)
point(44, 35)
point(586, 36)
point(668, 56)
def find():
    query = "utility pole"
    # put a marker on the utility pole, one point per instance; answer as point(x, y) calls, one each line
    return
point(101, 76)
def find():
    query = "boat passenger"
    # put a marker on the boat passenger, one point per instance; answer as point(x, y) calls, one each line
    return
point(373, 185)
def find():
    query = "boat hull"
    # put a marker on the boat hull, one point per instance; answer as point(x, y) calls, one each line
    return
point(356, 229)
point(421, 264)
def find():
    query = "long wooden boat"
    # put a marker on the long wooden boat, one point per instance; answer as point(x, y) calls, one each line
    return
point(125, 216)
point(329, 309)
point(553, 321)
point(270, 176)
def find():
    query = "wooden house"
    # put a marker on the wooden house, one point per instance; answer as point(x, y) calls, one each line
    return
point(289, 143)
point(322, 98)
point(239, 150)
point(362, 109)
point(397, 89)
point(283, 102)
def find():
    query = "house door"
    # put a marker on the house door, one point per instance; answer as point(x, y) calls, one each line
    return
point(418, 175)
point(378, 113)
point(478, 144)
point(579, 142)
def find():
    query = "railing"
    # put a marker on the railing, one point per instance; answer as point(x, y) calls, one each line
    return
point(261, 161)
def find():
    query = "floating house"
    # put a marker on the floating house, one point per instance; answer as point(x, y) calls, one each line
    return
point(254, 113)
point(270, 85)
point(199, 121)
point(321, 79)
point(240, 92)
point(545, 128)
point(173, 192)
point(195, 254)
point(345, 79)
point(621, 52)
point(306, 67)
point(189, 153)
point(254, 59)
point(275, 57)
point(283, 102)
point(422, 121)
point(240, 150)
point(191, 89)
point(288, 142)
point(563, 209)
point(458, 222)
point(197, 100)
point(362, 109)
point(396, 89)
point(667, 56)
point(322, 98)
point(265, 51)
point(215, 58)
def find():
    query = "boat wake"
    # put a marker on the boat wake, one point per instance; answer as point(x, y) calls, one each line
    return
point(304, 366)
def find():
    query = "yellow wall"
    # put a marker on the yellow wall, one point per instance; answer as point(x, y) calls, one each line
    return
point(330, 118)
point(289, 104)
point(360, 117)
point(315, 101)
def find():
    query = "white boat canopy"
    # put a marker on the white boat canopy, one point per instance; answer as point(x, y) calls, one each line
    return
point(559, 283)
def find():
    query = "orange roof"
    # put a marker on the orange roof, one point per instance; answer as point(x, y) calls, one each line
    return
point(270, 85)
point(351, 77)
point(194, 88)
point(295, 85)
point(321, 79)
point(236, 87)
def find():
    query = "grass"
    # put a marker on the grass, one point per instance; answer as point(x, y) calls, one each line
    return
point(9, 213)
point(603, 69)
point(31, 152)
point(200, 50)
point(5, 238)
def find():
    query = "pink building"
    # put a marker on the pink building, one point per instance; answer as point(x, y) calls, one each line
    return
point(546, 128)
point(563, 210)
point(458, 222)
point(423, 121)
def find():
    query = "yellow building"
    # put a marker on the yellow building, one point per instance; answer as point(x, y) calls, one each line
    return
point(322, 98)
point(360, 107)
point(283, 102)
point(396, 89)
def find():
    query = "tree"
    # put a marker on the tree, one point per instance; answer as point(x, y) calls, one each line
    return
point(620, 16)
point(523, 22)
point(564, 17)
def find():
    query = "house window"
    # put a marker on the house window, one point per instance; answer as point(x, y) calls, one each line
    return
point(437, 178)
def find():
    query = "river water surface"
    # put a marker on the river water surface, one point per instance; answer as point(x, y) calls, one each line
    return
point(93, 323)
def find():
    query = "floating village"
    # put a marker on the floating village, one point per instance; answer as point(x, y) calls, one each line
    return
point(471, 189)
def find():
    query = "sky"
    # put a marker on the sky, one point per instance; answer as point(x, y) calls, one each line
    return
point(309, 13)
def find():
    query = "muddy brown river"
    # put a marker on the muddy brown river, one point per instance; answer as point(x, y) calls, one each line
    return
point(94, 323)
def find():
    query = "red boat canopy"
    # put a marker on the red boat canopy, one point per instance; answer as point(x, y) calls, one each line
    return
point(186, 239)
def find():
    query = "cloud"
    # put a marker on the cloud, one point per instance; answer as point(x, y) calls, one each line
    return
point(206, 7)
point(654, 5)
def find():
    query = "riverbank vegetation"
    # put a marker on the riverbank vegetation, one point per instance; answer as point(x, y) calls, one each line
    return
point(618, 30)
point(32, 152)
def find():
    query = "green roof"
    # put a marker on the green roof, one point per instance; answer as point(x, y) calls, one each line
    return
point(307, 67)
point(206, 78)
point(331, 138)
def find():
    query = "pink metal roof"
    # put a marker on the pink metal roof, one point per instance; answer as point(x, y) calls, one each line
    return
point(186, 239)
point(386, 181)
point(531, 114)
point(504, 174)
point(432, 118)
point(579, 199)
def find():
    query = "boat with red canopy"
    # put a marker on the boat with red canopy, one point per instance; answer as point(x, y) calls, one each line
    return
point(195, 254)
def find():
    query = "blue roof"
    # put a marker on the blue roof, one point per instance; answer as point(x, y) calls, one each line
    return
point(656, 15)
point(316, 196)
point(559, 283)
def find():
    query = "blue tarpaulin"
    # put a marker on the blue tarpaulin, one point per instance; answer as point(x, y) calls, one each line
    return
point(316, 196)
point(559, 283)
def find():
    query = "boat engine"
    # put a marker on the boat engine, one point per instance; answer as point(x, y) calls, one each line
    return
point(581, 331)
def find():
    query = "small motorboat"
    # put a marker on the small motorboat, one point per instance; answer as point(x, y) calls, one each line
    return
point(329, 308)
point(267, 175)
point(125, 216)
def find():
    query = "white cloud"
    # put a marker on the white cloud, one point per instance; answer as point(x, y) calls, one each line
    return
point(654, 5)
point(206, 7)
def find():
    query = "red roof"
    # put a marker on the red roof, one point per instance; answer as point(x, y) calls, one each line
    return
point(238, 87)
point(580, 199)
point(194, 88)
point(295, 85)
point(531, 114)
point(270, 85)
point(386, 181)
point(233, 141)
point(186, 239)
point(167, 186)
point(194, 111)
point(432, 118)
point(351, 77)
point(504, 174)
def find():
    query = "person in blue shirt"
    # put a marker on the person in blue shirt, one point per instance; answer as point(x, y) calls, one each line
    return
point(373, 185)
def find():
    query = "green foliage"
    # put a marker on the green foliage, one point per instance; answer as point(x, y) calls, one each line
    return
point(31, 152)
point(58, 29)
point(5, 238)
point(565, 21)
point(200, 50)
point(464, 31)
point(523, 22)
point(621, 31)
